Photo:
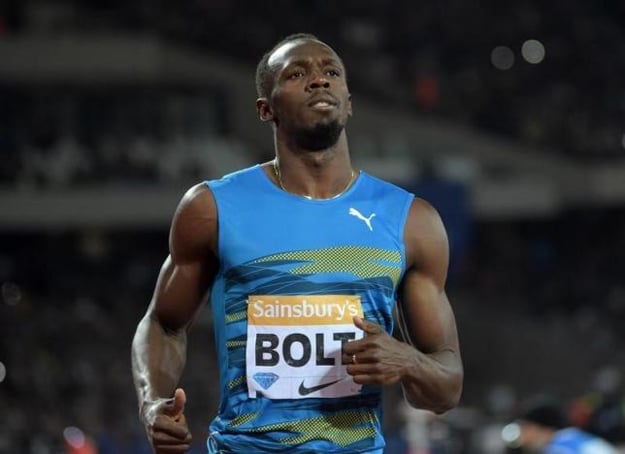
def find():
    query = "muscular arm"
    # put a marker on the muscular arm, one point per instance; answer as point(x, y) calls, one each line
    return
point(432, 378)
point(428, 365)
point(159, 345)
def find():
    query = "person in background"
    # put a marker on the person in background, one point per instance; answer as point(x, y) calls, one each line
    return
point(542, 428)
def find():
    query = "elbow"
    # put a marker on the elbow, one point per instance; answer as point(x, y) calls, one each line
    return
point(445, 397)
point(450, 398)
point(441, 406)
point(447, 403)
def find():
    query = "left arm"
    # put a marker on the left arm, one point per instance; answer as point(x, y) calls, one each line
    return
point(429, 368)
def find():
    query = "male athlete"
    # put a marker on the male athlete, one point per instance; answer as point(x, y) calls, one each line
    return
point(304, 259)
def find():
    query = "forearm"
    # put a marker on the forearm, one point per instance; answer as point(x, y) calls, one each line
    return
point(158, 360)
point(433, 381)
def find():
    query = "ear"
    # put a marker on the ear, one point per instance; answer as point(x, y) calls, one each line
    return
point(349, 104)
point(264, 110)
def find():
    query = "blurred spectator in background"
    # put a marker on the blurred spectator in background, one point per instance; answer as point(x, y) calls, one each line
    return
point(602, 411)
point(543, 428)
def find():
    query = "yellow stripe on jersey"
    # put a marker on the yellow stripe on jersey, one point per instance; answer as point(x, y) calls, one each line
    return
point(341, 428)
point(363, 262)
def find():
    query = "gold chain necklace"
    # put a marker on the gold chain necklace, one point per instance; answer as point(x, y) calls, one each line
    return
point(276, 170)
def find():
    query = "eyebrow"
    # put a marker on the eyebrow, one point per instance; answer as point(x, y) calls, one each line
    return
point(305, 62)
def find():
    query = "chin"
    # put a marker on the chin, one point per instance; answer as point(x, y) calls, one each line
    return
point(320, 136)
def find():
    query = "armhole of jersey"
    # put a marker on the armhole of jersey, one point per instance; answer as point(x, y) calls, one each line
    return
point(403, 221)
point(219, 223)
point(217, 312)
point(398, 314)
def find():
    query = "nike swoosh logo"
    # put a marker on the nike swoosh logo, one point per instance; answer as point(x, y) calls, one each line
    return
point(304, 390)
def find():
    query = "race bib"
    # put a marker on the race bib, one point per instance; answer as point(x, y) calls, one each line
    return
point(294, 345)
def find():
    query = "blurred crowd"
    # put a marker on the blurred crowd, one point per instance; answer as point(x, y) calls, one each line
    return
point(70, 304)
point(548, 303)
point(439, 58)
point(540, 304)
point(66, 137)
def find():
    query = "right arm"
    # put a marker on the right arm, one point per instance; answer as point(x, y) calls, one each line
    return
point(160, 342)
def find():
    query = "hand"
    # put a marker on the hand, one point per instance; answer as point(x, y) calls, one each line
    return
point(380, 358)
point(167, 426)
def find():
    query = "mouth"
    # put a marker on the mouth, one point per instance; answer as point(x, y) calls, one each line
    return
point(324, 102)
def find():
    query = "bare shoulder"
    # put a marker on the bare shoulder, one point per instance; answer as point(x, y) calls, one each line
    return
point(422, 208)
point(424, 220)
point(425, 235)
point(197, 198)
point(194, 226)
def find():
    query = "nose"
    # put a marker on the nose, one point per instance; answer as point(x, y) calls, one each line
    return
point(318, 80)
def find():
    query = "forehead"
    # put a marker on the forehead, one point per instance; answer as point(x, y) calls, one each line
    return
point(301, 50)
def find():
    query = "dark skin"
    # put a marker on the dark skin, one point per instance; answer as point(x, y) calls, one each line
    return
point(309, 91)
point(307, 72)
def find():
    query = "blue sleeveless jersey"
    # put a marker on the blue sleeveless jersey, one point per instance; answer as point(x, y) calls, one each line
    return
point(272, 242)
point(574, 441)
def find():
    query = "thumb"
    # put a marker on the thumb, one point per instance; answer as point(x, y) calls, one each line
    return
point(180, 398)
point(366, 326)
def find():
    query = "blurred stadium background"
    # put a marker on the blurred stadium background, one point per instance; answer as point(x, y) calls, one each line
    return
point(508, 116)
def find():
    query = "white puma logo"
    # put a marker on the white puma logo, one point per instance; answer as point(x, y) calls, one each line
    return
point(366, 220)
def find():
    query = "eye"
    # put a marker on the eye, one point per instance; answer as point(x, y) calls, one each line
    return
point(295, 74)
point(333, 72)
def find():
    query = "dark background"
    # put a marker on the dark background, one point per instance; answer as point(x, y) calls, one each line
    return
point(508, 117)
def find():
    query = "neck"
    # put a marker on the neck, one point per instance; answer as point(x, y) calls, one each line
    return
point(321, 174)
point(286, 144)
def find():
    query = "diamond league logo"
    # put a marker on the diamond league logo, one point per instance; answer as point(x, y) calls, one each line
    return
point(265, 379)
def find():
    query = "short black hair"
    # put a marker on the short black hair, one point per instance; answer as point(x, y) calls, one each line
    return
point(263, 71)
point(545, 411)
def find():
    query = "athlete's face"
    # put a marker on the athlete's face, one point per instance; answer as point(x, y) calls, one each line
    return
point(309, 97)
